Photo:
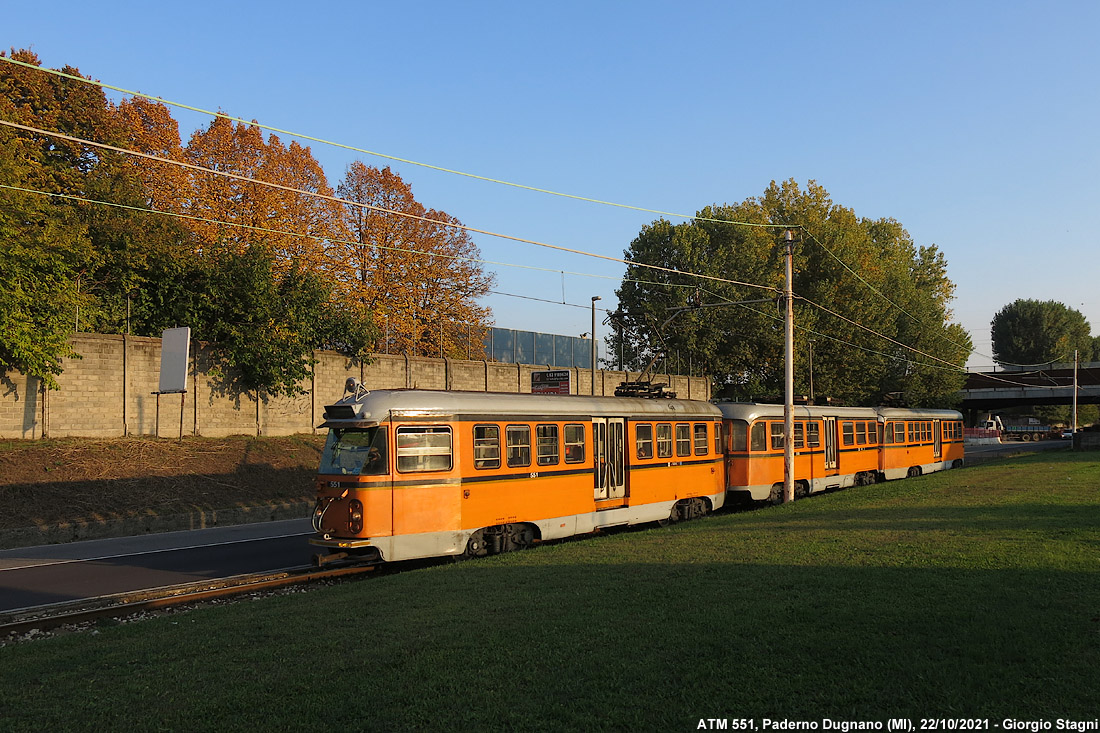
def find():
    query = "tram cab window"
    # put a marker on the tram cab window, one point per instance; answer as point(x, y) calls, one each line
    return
point(423, 448)
point(355, 451)
point(664, 440)
point(739, 436)
point(486, 446)
point(546, 447)
point(518, 443)
point(644, 438)
point(683, 439)
point(759, 436)
point(701, 447)
point(574, 444)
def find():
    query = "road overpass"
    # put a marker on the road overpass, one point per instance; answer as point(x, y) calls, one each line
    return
point(1051, 384)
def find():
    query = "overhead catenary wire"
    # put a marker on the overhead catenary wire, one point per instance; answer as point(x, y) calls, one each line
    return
point(876, 291)
point(311, 138)
point(267, 230)
point(372, 207)
point(353, 148)
point(427, 219)
point(365, 151)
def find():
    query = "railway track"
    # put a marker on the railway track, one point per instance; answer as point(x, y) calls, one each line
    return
point(45, 618)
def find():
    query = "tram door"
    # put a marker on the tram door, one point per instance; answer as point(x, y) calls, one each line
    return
point(937, 437)
point(830, 446)
point(609, 471)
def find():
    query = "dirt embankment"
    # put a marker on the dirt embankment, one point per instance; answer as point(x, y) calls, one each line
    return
point(47, 482)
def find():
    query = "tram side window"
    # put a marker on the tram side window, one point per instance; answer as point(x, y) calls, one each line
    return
point(423, 448)
point(813, 434)
point(518, 441)
point(644, 439)
point(861, 433)
point(739, 436)
point(718, 438)
point(777, 435)
point(700, 439)
point(913, 432)
point(486, 446)
point(848, 433)
point(683, 439)
point(759, 436)
point(926, 432)
point(546, 447)
point(800, 435)
point(574, 444)
point(664, 440)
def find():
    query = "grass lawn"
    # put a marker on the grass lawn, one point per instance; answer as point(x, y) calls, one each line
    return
point(973, 593)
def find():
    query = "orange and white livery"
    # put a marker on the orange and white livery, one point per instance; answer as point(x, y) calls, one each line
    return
point(835, 447)
point(417, 473)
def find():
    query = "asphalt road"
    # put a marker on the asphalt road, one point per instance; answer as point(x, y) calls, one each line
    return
point(978, 454)
point(49, 574)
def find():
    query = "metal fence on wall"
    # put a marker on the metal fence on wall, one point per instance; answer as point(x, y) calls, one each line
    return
point(503, 345)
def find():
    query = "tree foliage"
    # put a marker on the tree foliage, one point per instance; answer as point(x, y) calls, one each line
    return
point(1033, 332)
point(261, 264)
point(741, 344)
point(414, 269)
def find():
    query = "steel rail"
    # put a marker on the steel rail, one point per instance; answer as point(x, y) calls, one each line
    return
point(54, 615)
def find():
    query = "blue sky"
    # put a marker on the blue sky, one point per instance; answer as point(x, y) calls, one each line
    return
point(974, 124)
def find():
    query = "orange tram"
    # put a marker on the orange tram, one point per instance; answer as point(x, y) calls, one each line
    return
point(416, 473)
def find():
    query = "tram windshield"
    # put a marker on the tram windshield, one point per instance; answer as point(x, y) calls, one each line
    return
point(358, 451)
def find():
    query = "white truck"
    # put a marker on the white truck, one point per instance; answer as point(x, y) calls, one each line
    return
point(1026, 429)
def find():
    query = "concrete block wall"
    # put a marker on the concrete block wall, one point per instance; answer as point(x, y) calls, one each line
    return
point(21, 403)
point(109, 392)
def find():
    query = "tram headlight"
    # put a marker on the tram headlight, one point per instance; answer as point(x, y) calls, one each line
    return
point(355, 516)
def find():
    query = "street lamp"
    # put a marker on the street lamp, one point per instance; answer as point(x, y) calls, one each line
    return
point(594, 299)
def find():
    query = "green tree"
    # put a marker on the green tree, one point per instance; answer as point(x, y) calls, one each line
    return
point(1038, 332)
point(267, 323)
point(47, 258)
point(901, 291)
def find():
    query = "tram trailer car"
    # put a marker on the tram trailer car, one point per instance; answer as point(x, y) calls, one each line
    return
point(416, 473)
point(835, 447)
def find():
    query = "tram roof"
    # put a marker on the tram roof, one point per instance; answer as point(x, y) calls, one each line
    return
point(378, 405)
point(750, 411)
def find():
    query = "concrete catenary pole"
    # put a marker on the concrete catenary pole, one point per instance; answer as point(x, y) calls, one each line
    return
point(788, 371)
point(594, 299)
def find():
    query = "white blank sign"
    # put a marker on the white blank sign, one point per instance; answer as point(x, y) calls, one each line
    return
point(175, 343)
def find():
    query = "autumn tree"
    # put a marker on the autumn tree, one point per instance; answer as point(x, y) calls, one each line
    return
point(848, 270)
point(1038, 332)
point(241, 211)
point(148, 127)
point(413, 268)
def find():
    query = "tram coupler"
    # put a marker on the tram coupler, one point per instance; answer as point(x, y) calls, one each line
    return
point(324, 558)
